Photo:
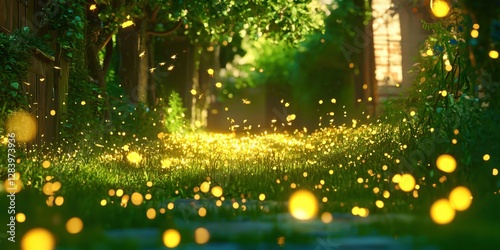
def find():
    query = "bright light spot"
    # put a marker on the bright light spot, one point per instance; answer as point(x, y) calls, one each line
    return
point(493, 54)
point(440, 8)
point(205, 187)
point(194, 92)
point(23, 124)
point(104, 202)
point(52, 112)
point(149, 183)
point(429, 52)
point(210, 72)
point(171, 238)
point(262, 197)
point(83, 103)
point(303, 205)
point(201, 235)
point(396, 178)
point(218, 85)
point(151, 213)
point(38, 239)
point(217, 191)
point(137, 199)
point(460, 198)
point(379, 204)
point(74, 225)
point(495, 172)
point(93, 7)
point(59, 200)
point(412, 113)
point(474, 33)
point(444, 93)
point(134, 157)
point(20, 217)
point(475, 26)
point(127, 23)
point(326, 217)
point(46, 164)
point(202, 212)
point(448, 67)
point(486, 157)
point(119, 192)
point(363, 212)
point(407, 183)
point(386, 194)
point(446, 163)
point(442, 212)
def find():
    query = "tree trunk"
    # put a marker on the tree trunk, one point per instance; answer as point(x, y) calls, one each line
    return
point(142, 87)
point(128, 41)
point(203, 84)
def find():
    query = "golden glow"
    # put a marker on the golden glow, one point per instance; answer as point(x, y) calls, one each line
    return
point(23, 125)
point(440, 8)
point(442, 212)
point(262, 197)
point(151, 213)
point(134, 157)
point(407, 183)
point(326, 217)
point(127, 23)
point(137, 199)
point(20, 217)
point(46, 164)
point(486, 157)
point(460, 198)
point(74, 225)
point(202, 212)
point(93, 7)
point(493, 54)
point(446, 163)
point(210, 72)
point(205, 187)
point(201, 235)
point(171, 238)
point(379, 204)
point(217, 191)
point(38, 239)
point(474, 33)
point(303, 205)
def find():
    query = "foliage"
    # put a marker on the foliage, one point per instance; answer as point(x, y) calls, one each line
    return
point(16, 50)
point(67, 18)
point(175, 121)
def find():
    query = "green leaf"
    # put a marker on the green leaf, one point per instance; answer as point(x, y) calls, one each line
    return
point(15, 85)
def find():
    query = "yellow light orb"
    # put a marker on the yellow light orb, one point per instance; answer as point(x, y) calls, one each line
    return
point(201, 235)
point(217, 191)
point(210, 71)
point(493, 54)
point(474, 33)
point(171, 238)
point(262, 197)
point(46, 164)
point(303, 205)
point(379, 204)
point(137, 198)
point(151, 213)
point(74, 225)
point(326, 217)
point(20, 217)
point(460, 198)
point(23, 125)
point(38, 239)
point(205, 187)
point(446, 163)
point(442, 212)
point(134, 157)
point(440, 8)
point(407, 183)
point(486, 157)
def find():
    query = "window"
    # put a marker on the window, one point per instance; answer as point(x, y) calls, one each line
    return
point(387, 43)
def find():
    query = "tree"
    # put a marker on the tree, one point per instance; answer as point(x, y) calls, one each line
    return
point(204, 23)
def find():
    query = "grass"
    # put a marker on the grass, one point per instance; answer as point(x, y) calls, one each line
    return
point(345, 167)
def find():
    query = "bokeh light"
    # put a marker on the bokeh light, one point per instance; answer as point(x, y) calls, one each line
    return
point(442, 212)
point(23, 125)
point(74, 225)
point(407, 183)
point(446, 163)
point(460, 198)
point(38, 239)
point(217, 191)
point(171, 238)
point(201, 235)
point(440, 8)
point(303, 205)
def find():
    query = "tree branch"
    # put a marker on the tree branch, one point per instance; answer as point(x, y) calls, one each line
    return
point(165, 33)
